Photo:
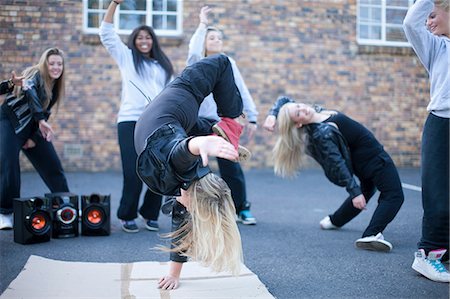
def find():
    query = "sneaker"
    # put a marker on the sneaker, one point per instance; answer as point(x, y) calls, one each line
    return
point(130, 226)
point(376, 243)
point(231, 131)
point(152, 225)
point(6, 221)
point(430, 266)
point(326, 224)
point(246, 217)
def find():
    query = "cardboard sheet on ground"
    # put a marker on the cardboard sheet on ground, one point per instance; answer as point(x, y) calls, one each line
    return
point(47, 278)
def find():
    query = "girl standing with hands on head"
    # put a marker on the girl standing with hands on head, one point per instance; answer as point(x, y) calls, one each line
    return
point(145, 71)
point(427, 28)
point(23, 126)
point(207, 41)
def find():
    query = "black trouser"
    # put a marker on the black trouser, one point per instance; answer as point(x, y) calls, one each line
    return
point(43, 157)
point(435, 184)
point(380, 173)
point(132, 185)
point(231, 172)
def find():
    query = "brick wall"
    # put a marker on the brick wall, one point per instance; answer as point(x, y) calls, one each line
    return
point(304, 49)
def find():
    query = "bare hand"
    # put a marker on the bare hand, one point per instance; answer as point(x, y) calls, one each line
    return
point(203, 16)
point(270, 122)
point(212, 146)
point(359, 202)
point(18, 81)
point(250, 129)
point(29, 144)
point(46, 130)
point(168, 282)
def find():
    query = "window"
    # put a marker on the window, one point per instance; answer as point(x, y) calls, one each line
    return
point(379, 22)
point(165, 16)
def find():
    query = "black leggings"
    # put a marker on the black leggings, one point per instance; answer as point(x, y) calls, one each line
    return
point(380, 173)
point(179, 102)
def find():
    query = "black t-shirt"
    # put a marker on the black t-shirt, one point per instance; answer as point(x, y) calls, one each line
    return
point(362, 143)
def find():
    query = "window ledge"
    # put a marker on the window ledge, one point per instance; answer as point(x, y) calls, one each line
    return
point(377, 50)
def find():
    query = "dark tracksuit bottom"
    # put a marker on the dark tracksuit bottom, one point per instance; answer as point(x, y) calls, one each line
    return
point(378, 173)
point(132, 184)
point(435, 184)
point(43, 157)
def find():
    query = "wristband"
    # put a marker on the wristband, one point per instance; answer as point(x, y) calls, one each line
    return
point(116, 2)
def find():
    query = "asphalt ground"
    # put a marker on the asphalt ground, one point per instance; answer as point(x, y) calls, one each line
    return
point(288, 251)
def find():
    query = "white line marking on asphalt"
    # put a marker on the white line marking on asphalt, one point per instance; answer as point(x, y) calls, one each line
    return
point(411, 187)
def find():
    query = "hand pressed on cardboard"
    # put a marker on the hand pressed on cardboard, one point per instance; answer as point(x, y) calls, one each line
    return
point(171, 280)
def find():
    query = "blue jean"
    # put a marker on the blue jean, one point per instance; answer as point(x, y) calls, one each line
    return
point(132, 185)
point(435, 184)
point(43, 157)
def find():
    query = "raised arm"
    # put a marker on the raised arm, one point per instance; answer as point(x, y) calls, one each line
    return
point(271, 119)
point(109, 37)
point(416, 31)
point(109, 16)
point(197, 42)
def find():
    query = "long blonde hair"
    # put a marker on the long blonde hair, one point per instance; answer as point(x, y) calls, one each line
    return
point(210, 234)
point(289, 147)
point(47, 82)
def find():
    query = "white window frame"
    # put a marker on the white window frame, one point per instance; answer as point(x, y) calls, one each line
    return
point(149, 13)
point(380, 42)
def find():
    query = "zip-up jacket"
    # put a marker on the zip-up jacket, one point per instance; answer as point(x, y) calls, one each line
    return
point(28, 105)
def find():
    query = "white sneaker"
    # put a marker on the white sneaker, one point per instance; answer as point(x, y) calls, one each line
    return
point(325, 223)
point(430, 266)
point(376, 243)
point(6, 221)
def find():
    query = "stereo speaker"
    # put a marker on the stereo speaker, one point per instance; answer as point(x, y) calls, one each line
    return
point(95, 215)
point(32, 220)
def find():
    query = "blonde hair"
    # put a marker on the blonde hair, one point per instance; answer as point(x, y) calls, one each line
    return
point(210, 234)
point(47, 81)
point(289, 147)
point(443, 4)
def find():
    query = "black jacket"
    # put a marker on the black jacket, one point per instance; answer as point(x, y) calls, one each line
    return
point(5, 87)
point(166, 164)
point(328, 147)
point(29, 104)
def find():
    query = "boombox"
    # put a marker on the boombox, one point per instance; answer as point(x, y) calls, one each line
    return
point(65, 214)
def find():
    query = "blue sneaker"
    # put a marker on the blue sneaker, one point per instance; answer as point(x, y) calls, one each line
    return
point(152, 225)
point(130, 226)
point(246, 217)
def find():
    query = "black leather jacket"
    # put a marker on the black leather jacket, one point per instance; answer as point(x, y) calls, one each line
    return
point(328, 147)
point(166, 164)
point(5, 87)
point(28, 105)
